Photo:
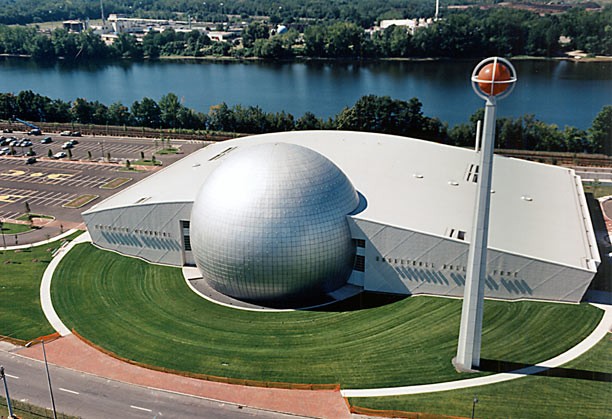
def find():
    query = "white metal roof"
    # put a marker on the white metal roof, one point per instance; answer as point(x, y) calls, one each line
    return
point(537, 210)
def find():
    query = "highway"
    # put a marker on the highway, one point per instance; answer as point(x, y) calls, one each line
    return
point(89, 396)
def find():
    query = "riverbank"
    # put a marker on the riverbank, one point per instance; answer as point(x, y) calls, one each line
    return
point(574, 56)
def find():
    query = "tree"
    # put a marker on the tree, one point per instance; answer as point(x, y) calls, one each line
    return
point(42, 48)
point(146, 113)
point(254, 31)
point(118, 114)
point(169, 108)
point(600, 132)
point(308, 121)
point(82, 111)
point(126, 46)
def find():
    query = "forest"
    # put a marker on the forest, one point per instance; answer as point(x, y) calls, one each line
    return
point(370, 114)
point(469, 34)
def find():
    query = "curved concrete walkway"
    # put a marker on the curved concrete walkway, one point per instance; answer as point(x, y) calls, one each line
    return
point(40, 243)
point(45, 285)
point(604, 327)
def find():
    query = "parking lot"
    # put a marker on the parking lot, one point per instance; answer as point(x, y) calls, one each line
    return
point(52, 186)
point(96, 148)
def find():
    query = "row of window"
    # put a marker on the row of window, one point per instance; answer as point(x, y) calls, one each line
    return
point(445, 266)
point(135, 231)
point(404, 262)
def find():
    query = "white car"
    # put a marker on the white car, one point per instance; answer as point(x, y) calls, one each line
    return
point(59, 155)
point(66, 133)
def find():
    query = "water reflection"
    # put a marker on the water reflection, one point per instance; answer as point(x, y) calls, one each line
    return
point(561, 92)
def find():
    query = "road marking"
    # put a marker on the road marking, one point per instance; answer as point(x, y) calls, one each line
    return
point(11, 376)
point(140, 408)
point(69, 391)
point(11, 198)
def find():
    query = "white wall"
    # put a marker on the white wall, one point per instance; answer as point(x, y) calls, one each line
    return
point(408, 262)
point(151, 232)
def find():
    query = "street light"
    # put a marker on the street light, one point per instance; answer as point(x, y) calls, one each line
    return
point(47, 369)
point(474, 405)
point(8, 398)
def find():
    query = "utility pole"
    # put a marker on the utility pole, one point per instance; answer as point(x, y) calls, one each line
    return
point(8, 398)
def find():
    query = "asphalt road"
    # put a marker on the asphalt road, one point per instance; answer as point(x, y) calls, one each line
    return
point(88, 396)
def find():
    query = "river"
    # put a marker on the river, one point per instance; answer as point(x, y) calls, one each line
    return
point(559, 92)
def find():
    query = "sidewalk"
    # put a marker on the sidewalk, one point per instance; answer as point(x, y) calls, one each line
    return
point(70, 352)
point(47, 233)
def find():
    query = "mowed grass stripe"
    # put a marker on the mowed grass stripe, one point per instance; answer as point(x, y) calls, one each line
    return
point(528, 397)
point(147, 313)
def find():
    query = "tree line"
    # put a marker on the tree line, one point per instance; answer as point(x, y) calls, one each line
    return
point(362, 12)
point(370, 113)
point(466, 34)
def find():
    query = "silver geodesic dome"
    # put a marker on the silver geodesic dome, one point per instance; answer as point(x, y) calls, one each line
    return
point(269, 224)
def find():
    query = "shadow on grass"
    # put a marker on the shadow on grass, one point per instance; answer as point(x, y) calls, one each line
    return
point(493, 365)
point(361, 301)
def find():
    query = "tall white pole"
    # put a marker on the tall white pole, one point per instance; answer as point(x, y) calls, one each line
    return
point(470, 331)
point(493, 81)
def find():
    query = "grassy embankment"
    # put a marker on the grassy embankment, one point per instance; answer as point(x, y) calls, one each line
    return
point(581, 389)
point(147, 313)
point(21, 316)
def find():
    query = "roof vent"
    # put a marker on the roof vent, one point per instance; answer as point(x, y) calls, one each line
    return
point(453, 183)
point(221, 154)
point(472, 173)
point(418, 175)
point(526, 198)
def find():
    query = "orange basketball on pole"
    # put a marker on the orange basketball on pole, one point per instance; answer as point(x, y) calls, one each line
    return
point(491, 79)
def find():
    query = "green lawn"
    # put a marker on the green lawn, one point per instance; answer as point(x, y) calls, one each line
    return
point(21, 271)
point(598, 189)
point(529, 397)
point(12, 228)
point(147, 313)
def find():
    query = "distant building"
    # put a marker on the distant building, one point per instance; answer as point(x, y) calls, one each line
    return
point(73, 25)
point(411, 25)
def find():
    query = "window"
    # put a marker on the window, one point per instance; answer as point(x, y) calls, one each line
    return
point(186, 236)
point(359, 242)
point(359, 263)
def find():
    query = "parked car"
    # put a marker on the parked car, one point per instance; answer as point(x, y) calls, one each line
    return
point(73, 142)
point(7, 130)
point(26, 143)
point(4, 141)
point(59, 155)
point(35, 131)
point(14, 143)
point(30, 153)
point(67, 145)
point(66, 133)
point(46, 140)
point(4, 151)
point(76, 134)
point(31, 160)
